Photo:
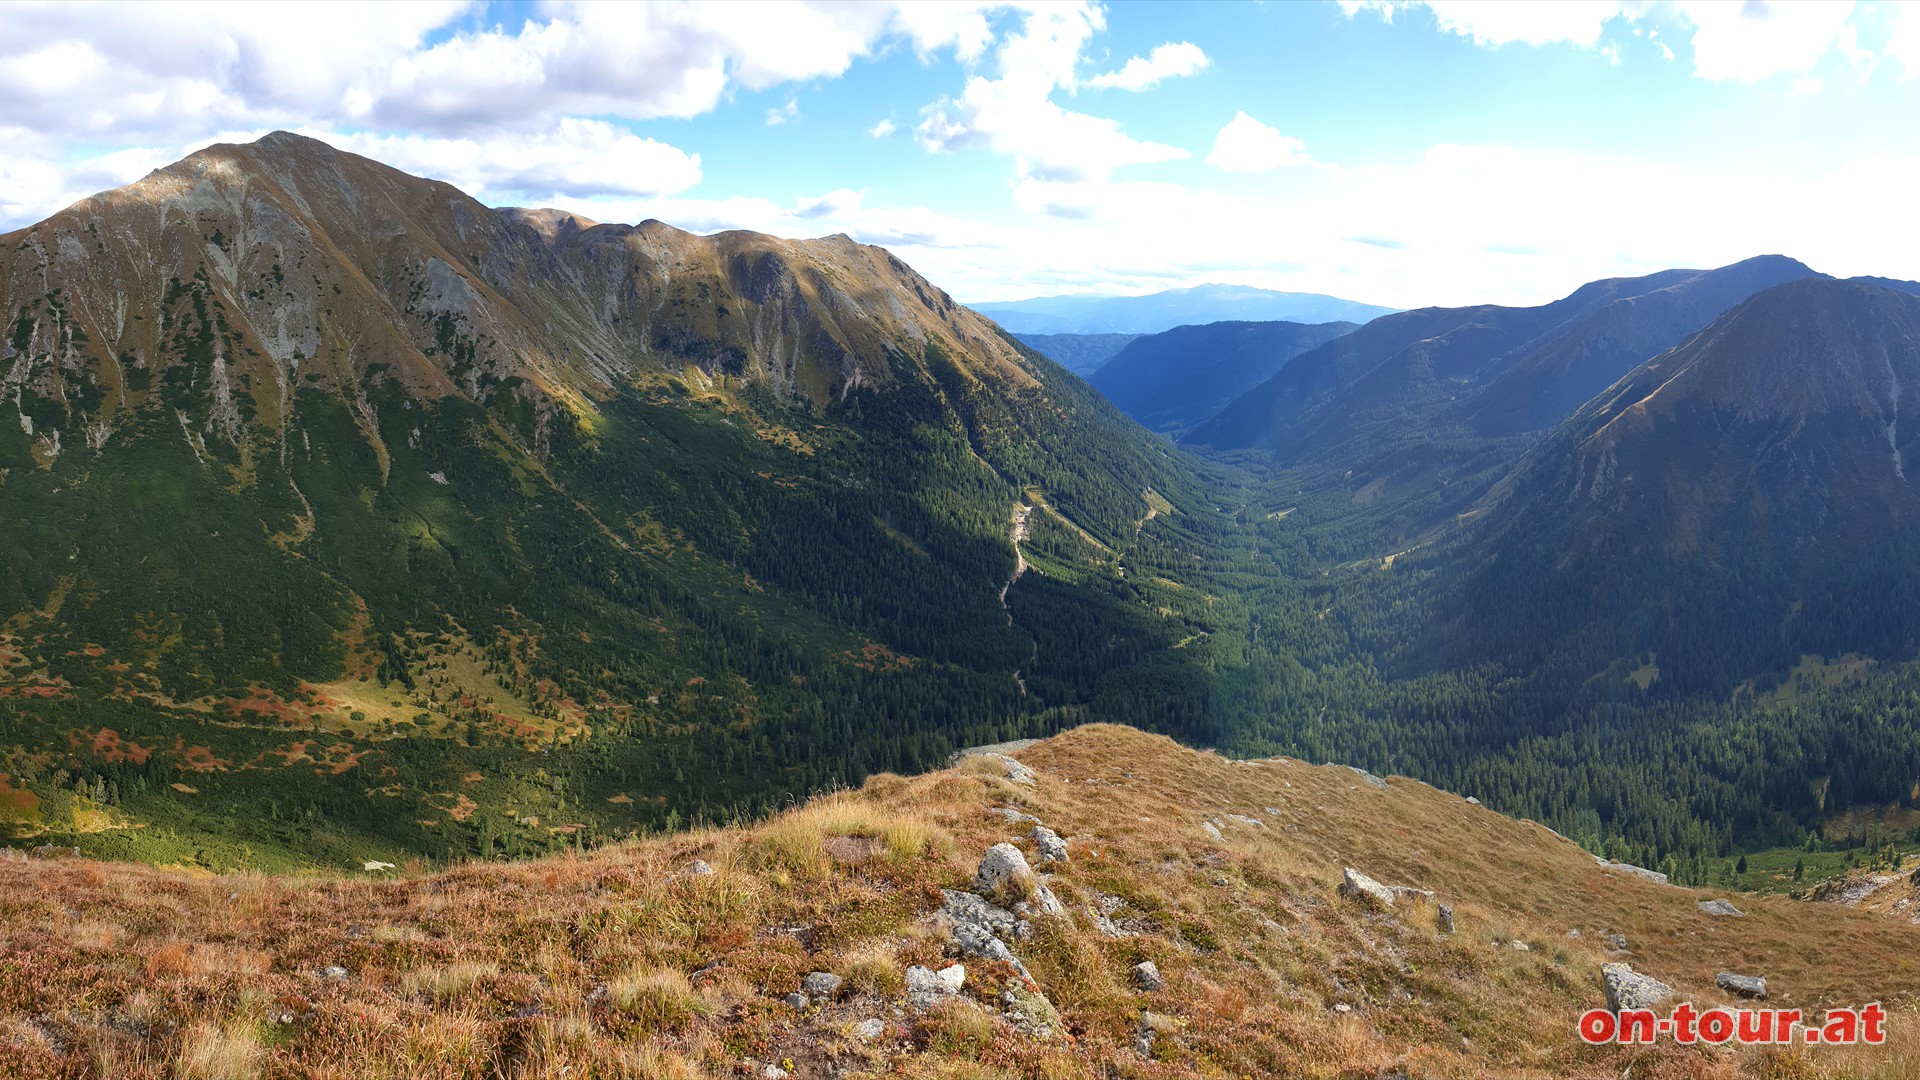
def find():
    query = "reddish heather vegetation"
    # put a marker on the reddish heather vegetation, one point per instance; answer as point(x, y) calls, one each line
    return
point(823, 942)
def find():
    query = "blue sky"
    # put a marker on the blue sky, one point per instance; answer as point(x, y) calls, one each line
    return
point(1405, 154)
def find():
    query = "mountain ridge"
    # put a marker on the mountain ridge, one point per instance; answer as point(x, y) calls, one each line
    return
point(1158, 312)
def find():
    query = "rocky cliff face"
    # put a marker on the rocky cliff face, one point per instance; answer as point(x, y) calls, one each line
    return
point(244, 274)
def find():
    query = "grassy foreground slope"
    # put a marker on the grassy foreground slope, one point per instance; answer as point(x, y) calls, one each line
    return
point(631, 962)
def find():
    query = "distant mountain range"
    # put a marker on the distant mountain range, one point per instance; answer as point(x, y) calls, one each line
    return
point(1155, 312)
point(1496, 370)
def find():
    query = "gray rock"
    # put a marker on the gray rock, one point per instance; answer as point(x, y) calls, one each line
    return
point(1628, 989)
point(1012, 770)
point(1249, 822)
point(1014, 817)
point(1617, 942)
point(991, 750)
point(1145, 1036)
point(334, 973)
point(699, 868)
point(1473, 801)
point(774, 1072)
point(869, 1030)
point(1574, 934)
point(1444, 919)
point(965, 908)
point(1004, 875)
point(927, 988)
point(1721, 908)
point(822, 984)
point(1746, 986)
point(797, 1000)
point(1052, 848)
point(1369, 777)
point(1654, 876)
point(1146, 976)
point(1030, 1011)
point(1212, 830)
point(975, 941)
point(1359, 886)
point(1041, 905)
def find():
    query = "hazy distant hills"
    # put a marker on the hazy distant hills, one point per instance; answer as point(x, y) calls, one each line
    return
point(1081, 354)
point(1172, 380)
point(1534, 365)
point(1155, 312)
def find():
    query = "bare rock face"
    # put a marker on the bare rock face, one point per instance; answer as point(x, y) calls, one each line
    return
point(1628, 989)
point(1146, 976)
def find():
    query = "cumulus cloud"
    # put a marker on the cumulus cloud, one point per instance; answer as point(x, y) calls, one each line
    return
point(1737, 42)
point(576, 157)
point(789, 111)
point(1246, 145)
point(1173, 60)
point(883, 130)
point(429, 75)
point(1758, 40)
point(1500, 22)
point(1904, 46)
point(1015, 115)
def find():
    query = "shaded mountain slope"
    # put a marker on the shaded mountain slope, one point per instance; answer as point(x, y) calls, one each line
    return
point(1173, 380)
point(1081, 354)
point(1733, 504)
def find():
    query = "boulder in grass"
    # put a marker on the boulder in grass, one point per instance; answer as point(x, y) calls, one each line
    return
point(1721, 909)
point(1359, 886)
point(1146, 976)
point(1752, 987)
point(1628, 989)
point(1052, 847)
point(1004, 876)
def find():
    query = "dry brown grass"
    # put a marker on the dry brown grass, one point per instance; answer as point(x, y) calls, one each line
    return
point(621, 963)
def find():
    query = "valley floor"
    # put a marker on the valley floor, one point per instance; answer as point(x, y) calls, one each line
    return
point(689, 955)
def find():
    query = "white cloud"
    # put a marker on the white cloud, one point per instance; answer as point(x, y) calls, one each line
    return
point(579, 158)
point(1246, 145)
point(789, 111)
point(1501, 22)
point(883, 130)
point(1756, 40)
point(1015, 114)
point(1173, 60)
point(1732, 41)
point(1808, 84)
point(1904, 46)
point(183, 69)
